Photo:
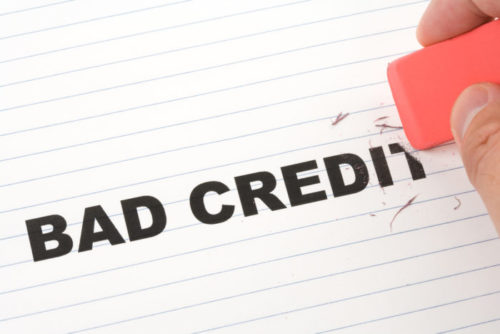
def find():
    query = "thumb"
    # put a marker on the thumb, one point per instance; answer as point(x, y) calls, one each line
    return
point(475, 123)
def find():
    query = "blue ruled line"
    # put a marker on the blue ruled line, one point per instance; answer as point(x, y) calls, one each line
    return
point(168, 101)
point(417, 310)
point(17, 11)
point(470, 326)
point(203, 44)
point(60, 98)
point(209, 93)
point(335, 301)
point(136, 58)
point(92, 20)
point(236, 62)
point(181, 148)
point(233, 189)
point(162, 178)
point(244, 267)
point(241, 240)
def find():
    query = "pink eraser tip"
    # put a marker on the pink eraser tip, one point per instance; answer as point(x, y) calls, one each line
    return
point(426, 83)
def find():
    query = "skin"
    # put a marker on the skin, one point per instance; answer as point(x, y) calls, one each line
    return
point(444, 19)
point(479, 144)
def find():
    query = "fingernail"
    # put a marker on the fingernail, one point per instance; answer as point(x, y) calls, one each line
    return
point(468, 105)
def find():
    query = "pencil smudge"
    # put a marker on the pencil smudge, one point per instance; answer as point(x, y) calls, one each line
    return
point(380, 119)
point(387, 126)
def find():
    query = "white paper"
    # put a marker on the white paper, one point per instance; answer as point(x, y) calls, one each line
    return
point(102, 101)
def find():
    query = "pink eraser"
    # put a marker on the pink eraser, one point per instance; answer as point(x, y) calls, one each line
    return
point(426, 83)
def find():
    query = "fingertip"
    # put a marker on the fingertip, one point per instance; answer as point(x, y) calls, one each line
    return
point(444, 19)
point(421, 36)
point(421, 33)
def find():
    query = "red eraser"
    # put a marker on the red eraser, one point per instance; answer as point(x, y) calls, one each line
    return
point(426, 83)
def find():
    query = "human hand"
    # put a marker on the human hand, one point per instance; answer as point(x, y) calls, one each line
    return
point(475, 119)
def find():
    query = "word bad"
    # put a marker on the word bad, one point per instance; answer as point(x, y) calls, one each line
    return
point(247, 193)
point(89, 236)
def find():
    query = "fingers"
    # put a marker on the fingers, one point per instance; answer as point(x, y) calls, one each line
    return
point(444, 19)
point(475, 123)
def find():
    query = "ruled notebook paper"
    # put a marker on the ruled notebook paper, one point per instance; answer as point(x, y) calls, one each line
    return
point(102, 101)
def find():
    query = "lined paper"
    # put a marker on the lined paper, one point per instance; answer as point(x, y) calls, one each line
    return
point(105, 101)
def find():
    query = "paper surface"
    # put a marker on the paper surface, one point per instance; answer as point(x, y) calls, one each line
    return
point(106, 101)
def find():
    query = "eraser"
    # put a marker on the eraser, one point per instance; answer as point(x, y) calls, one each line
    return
point(426, 83)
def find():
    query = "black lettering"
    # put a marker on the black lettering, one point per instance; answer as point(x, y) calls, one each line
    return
point(416, 167)
point(248, 195)
point(89, 237)
point(294, 184)
point(131, 215)
point(196, 201)
point(337, 183)
point(38, 239)
point(381, 167)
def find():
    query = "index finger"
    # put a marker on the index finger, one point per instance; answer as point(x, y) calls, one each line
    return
point(445, 19)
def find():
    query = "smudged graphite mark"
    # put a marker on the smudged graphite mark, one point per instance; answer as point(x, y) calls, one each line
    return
point(380, 119)
point(387, 126)
point(341, 116)
point(416, 167)
point(401, 209)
